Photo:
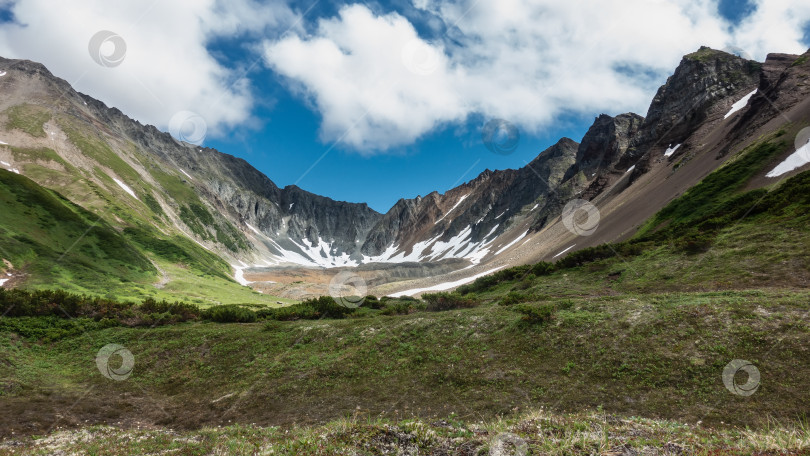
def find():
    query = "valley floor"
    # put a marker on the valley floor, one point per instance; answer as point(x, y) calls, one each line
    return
point(538, 432)
point(437, 381)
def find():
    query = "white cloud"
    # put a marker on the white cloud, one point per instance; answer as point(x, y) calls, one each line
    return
point(376, 83)
point(167, 67)
point(775, 27)
point(523, 60)
point(355, 72)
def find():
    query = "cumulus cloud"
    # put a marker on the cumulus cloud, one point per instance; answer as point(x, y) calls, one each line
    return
point(377, 84)
point(166, 69)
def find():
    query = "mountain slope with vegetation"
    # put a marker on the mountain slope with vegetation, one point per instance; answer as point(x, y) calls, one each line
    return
point(624, 330)
point(613, 348)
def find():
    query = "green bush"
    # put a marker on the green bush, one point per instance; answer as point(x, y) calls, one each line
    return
point(587, 255)
point(402, 307)
point(437, 302)
point(310, 309)
point(695, 243)
point(526, 283)
point(152, 203)
point(535, 314)
point(232, 313)
point(489, 281)
point(372, 302)
point(51, 328)
point(516, 298)
point(61, 304)
point(543, 268)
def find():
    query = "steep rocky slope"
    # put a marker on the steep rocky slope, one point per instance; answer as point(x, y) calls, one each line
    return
point(143, 182)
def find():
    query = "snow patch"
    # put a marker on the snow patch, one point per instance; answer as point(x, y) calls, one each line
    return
point(125, 187)
point(182, 171)
point(2, 73)
point(8, 167)
point(3, 281)
point(239, 274)
point(452, 208)
point(443, 286)
point(671, 150)
point(254, 229)
point(320, 253)
point(569, 248)
point(291, 205)
point(3, 143)
point(512, 243)
point(459, 246)
point(740, 104)
point(796, 160)
point(630, 169)
point(535, 206)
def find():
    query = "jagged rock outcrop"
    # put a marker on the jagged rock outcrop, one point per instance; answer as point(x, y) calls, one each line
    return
point(701, 79)
point(475, 212)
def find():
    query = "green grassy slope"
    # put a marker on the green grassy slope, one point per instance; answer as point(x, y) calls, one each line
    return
point(131, 243)
point(54, 243)
point(70, 245)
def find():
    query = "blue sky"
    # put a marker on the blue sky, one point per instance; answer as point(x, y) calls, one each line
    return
point(286, 147)
point(376, 101)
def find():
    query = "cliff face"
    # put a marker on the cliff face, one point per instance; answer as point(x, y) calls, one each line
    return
point(701, 79)
point(469, 219)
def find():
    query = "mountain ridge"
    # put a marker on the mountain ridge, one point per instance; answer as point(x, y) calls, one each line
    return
point(225, 205)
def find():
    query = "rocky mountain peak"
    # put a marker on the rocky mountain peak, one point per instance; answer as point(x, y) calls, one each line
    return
point(604, 145)
point(702, 78)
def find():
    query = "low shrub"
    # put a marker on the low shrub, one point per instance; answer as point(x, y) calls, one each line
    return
point(437, 302)
point(543, 268)
point(310, 309)
point(535, 314)
point(402, 307)
point(232, 313)
point(516, 298)
point(372, 302)
point(62, 304)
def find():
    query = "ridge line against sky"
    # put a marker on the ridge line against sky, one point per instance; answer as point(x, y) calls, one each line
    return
point(398, 89)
